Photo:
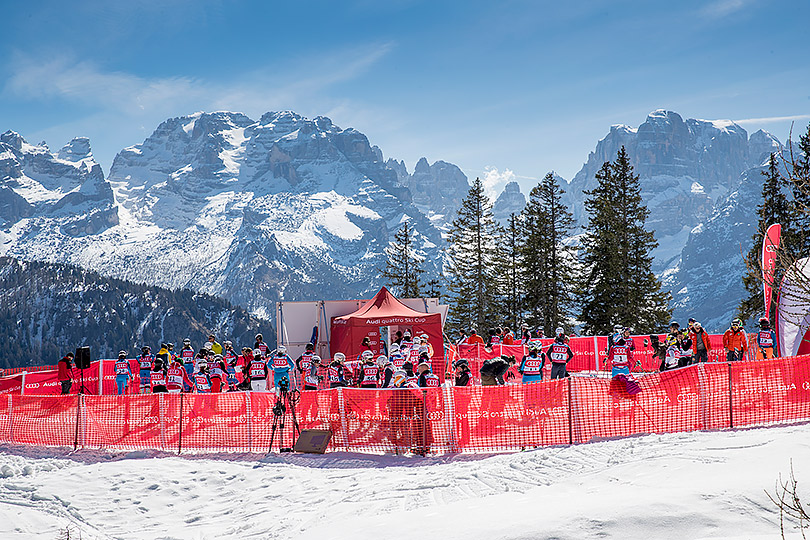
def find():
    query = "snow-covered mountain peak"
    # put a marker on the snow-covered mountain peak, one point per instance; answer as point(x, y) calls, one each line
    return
point(76, 150)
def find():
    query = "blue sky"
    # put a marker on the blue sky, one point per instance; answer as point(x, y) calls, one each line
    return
point(507, 89)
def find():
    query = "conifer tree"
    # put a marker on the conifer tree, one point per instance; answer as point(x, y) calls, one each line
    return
point(774, 208)
point(470, 267)
point(618, 286)
point(510, 271)
point(403, 264)
point(548, 261)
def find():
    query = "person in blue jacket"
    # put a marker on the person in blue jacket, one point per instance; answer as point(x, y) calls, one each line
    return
point(531, 367)
point(123, 372)
point(282, 366)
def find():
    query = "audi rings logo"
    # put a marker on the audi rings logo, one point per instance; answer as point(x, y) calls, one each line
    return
point(806, 385)
point(435, 415)
point(770, 248)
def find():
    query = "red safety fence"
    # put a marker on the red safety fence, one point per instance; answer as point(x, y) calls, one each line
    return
point(438, 420)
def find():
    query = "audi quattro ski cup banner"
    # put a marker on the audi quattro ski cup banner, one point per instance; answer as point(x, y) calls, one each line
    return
point(435, 420)
point(770, 246)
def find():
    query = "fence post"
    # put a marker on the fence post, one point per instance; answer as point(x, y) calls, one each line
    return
point(78, 415)
point(570, 414)
point(180, 428)
point(702, 394)
point(448, 393)
point(10, 419)
point(22, 388)
point(425, 420)
point(730, 399)
point(101, 376)
point(596, 354)
point(344, 428)
point(162, 420)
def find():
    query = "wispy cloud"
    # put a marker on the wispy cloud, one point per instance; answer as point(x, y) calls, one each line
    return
point(723, 8)
point(495, 180)
point(772, 119)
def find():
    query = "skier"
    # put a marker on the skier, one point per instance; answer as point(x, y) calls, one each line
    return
point(176, 378)
point(304, 362)
point(387, 371)
point(217, 374)
point(766, 340)
point(427, 379)
point(336, 371)
point(735, 342)
point(396, 356)
point(187, 357)
point(560, 354)
point(369, 374)
point(258, 372)
point(230, 358)
point(157, 379)
point(145, 363)
point(123, 372)
point(410, 377)
point(202, 384)
point(281, 366)
point(620, 359)
point(531, 366)
point(309, 372)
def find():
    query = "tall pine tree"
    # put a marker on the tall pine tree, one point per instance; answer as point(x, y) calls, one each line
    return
point(774, 208)
point(403, 265)
point(510, 271)
point(471, 267)
point(618, 285)
point(548, 261)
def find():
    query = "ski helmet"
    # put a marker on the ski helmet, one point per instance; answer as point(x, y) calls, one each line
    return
point(281, 349)
point(367, 355)
point(382, 360)
point(340, 357)
point(764, 322)
point(310, 347)
point(559, 331)
point(122, 354)
point(736, 323)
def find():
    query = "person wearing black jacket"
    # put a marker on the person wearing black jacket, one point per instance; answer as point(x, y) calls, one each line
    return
point(494, 369)
point(463, 373)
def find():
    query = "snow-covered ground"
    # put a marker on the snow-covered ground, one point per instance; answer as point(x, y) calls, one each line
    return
point(680, 486)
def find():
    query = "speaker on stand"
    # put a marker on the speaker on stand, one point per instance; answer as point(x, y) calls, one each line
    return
point(82, 361)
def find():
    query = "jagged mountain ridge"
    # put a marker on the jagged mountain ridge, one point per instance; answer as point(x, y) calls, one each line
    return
point(254, 211)
point(50, 309)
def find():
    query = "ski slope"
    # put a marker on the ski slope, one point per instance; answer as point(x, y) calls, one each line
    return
point(680, 486)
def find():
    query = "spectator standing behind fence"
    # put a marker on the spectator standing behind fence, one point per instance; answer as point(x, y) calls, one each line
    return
point(701, 344)
point(685, 349)
point(735, 342)
point(63, 373)
point(531, 366)
point(216, 347)
point(463, 372)
point(230, 358)
point(123, 372)
point(493, 370)
point(474, 338)
point(559, 353)
point(766, 340)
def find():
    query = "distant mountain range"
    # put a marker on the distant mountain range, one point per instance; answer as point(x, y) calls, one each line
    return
point(290, 208)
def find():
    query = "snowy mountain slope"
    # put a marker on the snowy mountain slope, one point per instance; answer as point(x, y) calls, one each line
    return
point(255, 211)
point(674, 486)
point(48, 310)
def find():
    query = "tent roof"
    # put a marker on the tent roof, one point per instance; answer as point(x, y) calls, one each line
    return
point(384, 304)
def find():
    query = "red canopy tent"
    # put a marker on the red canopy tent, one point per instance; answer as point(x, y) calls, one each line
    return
point(348, 331)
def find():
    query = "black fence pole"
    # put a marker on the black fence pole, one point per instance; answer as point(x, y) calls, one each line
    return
point(730, 399)
point(570, 414)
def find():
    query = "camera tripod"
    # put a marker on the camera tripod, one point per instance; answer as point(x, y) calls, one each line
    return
point(285, 403)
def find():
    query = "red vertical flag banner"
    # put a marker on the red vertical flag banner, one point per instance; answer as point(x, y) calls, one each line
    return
point(770, 245)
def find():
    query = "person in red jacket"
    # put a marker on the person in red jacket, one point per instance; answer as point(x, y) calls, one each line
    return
point(735, 342)
point(64, 372)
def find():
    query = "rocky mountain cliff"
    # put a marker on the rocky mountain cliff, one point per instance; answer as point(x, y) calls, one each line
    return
point(47, 310)
point(510, 201)
point(254, 211)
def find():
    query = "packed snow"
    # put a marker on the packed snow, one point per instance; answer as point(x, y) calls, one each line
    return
point(680, 486)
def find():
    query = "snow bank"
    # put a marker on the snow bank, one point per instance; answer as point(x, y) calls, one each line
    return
point(680, 486)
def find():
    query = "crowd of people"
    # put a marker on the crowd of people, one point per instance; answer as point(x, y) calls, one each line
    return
point(219, 367)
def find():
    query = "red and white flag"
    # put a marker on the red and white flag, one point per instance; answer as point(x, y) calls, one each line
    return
point(770, 245)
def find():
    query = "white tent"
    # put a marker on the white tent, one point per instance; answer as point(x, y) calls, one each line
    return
point(793, 315)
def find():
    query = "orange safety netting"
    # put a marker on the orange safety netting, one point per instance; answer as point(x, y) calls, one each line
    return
point(447, 419)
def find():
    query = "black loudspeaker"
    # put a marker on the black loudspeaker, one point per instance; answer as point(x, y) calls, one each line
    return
point(82, 359)
point(313, 441)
